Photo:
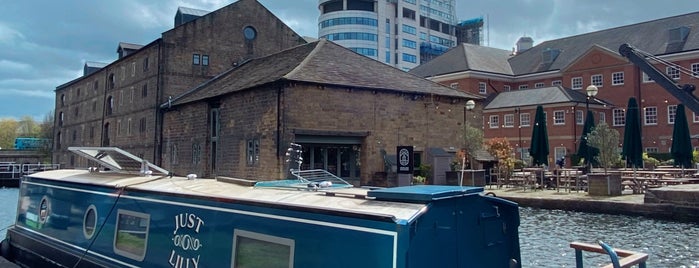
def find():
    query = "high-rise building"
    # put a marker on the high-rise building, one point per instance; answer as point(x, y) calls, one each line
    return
point(400, 33)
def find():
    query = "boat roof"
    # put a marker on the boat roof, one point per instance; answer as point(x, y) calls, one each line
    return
point(349, 200)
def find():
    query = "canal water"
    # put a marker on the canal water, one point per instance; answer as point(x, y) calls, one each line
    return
point(545, 236)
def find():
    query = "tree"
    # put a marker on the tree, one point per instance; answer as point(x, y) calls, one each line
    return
point(8, 133)
point(46, 132)
point(473, 139)
point(503, 152)
point(606, 140)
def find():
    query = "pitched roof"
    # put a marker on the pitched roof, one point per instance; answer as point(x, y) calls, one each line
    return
point(650, 36)
point(124, 45)
point(321, 62)
point(192, 11)
point(467, 57)
point(539, 96)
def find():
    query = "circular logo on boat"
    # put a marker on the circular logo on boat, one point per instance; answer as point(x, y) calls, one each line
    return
point(185, 240)
point(404, 157)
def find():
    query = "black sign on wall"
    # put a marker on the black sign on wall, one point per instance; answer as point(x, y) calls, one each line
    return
point(405, 159)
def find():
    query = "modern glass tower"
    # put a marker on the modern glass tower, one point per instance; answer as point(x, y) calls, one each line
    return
point(400, 33)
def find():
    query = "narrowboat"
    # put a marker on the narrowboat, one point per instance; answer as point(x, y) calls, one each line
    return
point(131, 213)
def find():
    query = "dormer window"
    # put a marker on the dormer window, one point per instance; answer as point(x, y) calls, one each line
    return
point(678, 35)
point(549, 55)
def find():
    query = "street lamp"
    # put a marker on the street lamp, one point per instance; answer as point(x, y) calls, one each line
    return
point(519, 133)
point(591, 92)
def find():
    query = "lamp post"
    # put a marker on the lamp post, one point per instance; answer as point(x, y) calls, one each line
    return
point(591, 92)
point(470, 104)
point(519, 133)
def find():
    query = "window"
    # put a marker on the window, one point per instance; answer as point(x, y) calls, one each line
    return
point(671, 113)
point(111, 80)
point(524, 154)
point(145, 64)
point(249, 33)
point(409, 43)
point(196, 154)
point(602, 117)
point(96, 85)
point(90, 222)
point(196, 60)
point(92, 132)
point(524, 119)
point(559, 117)
point(618, 117)
point(539, 85)
point(409, 58)
point(651, 149)
point(142, 125)
point(60, 119)
point(482, 88)
point(409, 29)
point(579, 119)
point(673, 72)
point(617, 78)
point(77, 92)
point(650, 115)
point(133, 94)
point(556, 83)
point(133, 69)
point(44, 209)
point(253, 152)
point(494, 121)
point(408, 13)
point(695, 117)
point(352, 21)
point(259, 250)
point(596, 80)
point(144, 91)
point(454, 85)
point(509, 120)
point(128, 127)
point(646, 78)
point(695, 69)
point(506, 88)
point(523, 87)
point(559, 152)
point(94, 106)
point(576, 82)
point(131, 236)
point(205, 60)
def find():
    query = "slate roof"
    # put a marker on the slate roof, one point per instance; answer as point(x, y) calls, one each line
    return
point(192, 11)
point(539, 96)
point(322, 62)
point(94, 64)
point(467, 57)
point(650, 36)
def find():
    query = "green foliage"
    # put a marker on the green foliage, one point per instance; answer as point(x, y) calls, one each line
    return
point(473, 139)
point(695, 156)
point(606, 140)
point(649, 160)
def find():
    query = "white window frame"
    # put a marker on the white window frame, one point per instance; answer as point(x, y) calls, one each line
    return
point(494, 121)
point(556, 83)
point(673, 72)
point(617, 78)
point(238, 233)
point(695, 69)
point(524, 120)
point(131, 255)
point(559, 117)
point(650, 115)
point(482, 88)
point(454, 85)
point(695, 117)
point(507, 88)
point(539, 85)
point(509, 120)
point(597, 80)
point(651, 149)
point(523, 87)
point(671, 113)
point(618, 117)
point(559, 152)
point(576, 82)
point(646, 78)
point(579, 117)
point(602, 117)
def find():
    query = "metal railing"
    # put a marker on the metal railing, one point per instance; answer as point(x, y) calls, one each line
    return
point(629, 258)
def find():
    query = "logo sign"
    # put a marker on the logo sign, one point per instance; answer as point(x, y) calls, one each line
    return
point(185, 241)
point(405, 159)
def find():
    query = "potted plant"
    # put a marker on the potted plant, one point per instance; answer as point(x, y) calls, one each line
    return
point(606, 140)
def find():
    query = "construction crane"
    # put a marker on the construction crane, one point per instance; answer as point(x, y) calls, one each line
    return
point(683, 93)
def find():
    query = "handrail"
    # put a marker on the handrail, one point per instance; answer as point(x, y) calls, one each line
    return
point(629, 258)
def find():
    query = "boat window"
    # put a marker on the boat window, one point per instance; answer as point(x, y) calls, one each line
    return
point(90, 222)
point(259, 250)
point(44, 210)
point(131, 236)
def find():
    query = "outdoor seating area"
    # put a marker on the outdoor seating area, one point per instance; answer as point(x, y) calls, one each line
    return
point(573, 180)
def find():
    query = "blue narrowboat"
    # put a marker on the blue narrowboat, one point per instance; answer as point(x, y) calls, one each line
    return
point(131, 213)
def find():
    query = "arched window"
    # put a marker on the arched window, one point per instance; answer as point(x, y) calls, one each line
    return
point(110, 81)
point(60, 119)
point(110, 105)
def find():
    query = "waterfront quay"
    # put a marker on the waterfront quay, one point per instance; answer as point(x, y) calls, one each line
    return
point(676, 203)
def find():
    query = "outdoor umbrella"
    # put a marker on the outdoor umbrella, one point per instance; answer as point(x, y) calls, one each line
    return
point(585, 151)
point(632, 150)
point(539, 145)
point(681, 143)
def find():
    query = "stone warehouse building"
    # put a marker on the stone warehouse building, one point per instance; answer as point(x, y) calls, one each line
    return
point(574, 63)
point(116, 104)
point(225, 93)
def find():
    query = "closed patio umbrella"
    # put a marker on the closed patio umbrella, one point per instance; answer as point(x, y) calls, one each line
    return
point(632, 149)
point(539, 146)
point(681, 149)
point(586, 151)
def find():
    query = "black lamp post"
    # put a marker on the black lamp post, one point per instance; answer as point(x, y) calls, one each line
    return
point(591, 92)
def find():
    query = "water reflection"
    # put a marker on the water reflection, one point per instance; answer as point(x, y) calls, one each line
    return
point(545, 236)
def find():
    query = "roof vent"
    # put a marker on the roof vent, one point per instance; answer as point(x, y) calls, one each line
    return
point(678, 35)
point(549, 55)
point(125, 49)
point(524, 43)
point(185, 14)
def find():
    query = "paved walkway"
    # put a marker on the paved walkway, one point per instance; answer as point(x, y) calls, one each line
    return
point(552, 194)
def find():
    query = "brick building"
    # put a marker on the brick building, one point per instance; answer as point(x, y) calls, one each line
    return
point(574, 63)
point(343, 108)
point(116, 104)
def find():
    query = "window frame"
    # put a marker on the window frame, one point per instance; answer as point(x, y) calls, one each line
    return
point(597, 80)
point(555, 83)
point(650, 116)
point(539, 85)
point(482, 88)
point(238, 233)
point(525, 123)
point(618, 117)
point(508, 120)
point(494, 121)
point(576, 82)
point(672, 72)
point(579, 117)
point(617, 78)
point(196, 59)
point(131, 255)
point(671, 113)
point(559, 118)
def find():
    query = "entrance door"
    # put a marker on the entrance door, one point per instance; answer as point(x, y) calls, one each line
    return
point(339, 159)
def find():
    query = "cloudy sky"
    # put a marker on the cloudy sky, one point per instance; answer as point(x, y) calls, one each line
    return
point(44, 44)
